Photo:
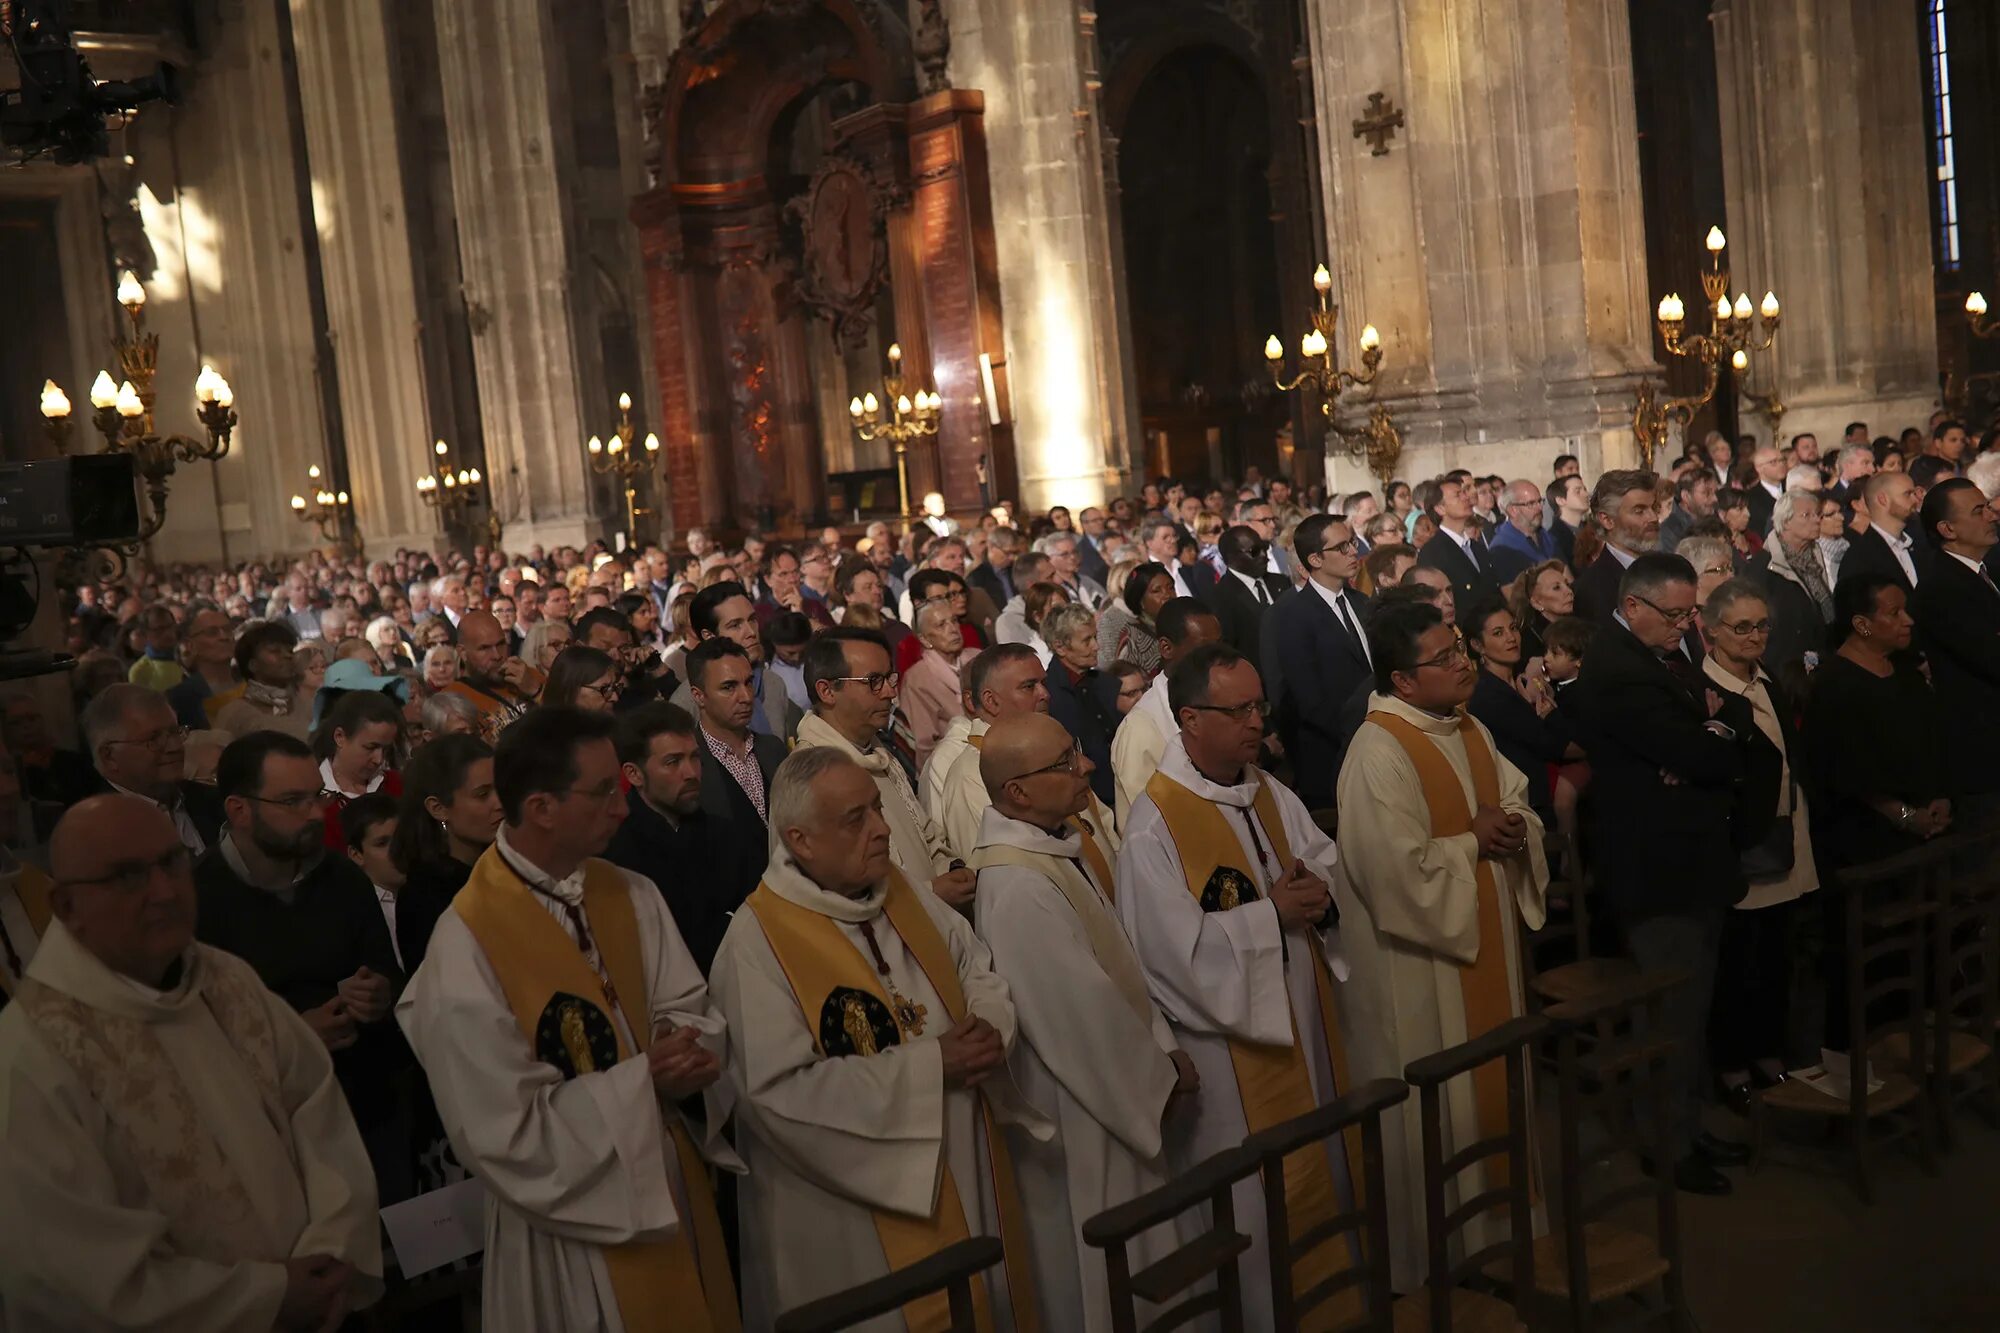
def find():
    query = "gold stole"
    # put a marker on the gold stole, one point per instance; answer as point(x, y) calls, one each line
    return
point(817, 958)
point(1092, 853)
point(660, 1284)
point(32, 887)
point(1273, 1081)
point(1101, 931)
point(1483, 985)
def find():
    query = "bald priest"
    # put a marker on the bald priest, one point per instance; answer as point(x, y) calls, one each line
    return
point(871, 1038)
point(175, 1152)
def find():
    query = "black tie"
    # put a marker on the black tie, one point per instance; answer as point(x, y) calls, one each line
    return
point(1263, 593)
point(1348, 623)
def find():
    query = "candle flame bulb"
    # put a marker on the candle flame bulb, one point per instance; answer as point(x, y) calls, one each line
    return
point(895, 353)
point(1273, 349)
point(55, 403)
point(903, 405)
point(1322, 280)
point(130, 294)
point(1770, 305)
point(1313, 345)
point(1742, 306)
point(298, 504)
point(473, 476)
point(448, 481)
point(616, 444)
point(312, 473)
point(624, 402)
point(870, 404)
point(129, 403)
point(103, 393)
point(342, 498)
point(652, 443)
point(854, 408)
point(1722, 307)
point(441, 449)
point(596, 446)
point(207, 384)
point(1715, 242)
point(1370, 338)
point(1975, 304)
point(224, 395)
point(1740, 359)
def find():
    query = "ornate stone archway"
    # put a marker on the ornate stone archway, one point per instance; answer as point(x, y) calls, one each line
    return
point(745, 254)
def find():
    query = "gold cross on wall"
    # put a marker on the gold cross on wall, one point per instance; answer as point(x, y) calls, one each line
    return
point(1379, 125)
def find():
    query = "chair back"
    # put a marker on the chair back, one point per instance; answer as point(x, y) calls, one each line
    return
point(1213, 1253)
point(1966, 960)
point(1512, 1042)
point(1892, 906)
point(1569, 880)
point(1360, 1111)
point(950, 1270)
point(1614, 1074)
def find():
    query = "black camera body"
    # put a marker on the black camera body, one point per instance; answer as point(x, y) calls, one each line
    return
point(62, 503)
point(59, 109)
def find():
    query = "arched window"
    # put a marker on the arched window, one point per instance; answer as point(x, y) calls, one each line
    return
point(1937, 74)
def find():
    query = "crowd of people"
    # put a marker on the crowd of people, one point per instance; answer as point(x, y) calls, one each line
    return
point(758, 917)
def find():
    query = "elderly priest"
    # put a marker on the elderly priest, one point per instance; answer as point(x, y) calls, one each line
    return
point(575, 1059)
point(1441, 861)
point(174, 1149)
point(871, 1039)
point(1095, 1053)
point(1223, 889)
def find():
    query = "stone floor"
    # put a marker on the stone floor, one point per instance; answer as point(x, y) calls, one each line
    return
point(1796, 1249)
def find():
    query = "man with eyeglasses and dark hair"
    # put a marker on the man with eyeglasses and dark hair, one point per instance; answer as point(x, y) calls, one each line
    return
point(312, 927)
point(853, 690)
point(129, 1046)
point(139, 748)
point(1442, 860)
point(574, 1055)
point(1316, 653)
point(1667, 756)
point(1182, 624)
point(1224, 890)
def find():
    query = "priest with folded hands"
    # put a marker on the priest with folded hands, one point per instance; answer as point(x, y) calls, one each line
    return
point(1095, 1054)
point(870, 1039)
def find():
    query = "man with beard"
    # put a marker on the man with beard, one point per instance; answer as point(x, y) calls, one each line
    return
point(500, 686)
point(311, 927)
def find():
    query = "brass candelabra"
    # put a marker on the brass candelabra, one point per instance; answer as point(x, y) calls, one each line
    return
point(453, 493)
point(1975, 315)
point(329, 510)
point(122, 412)
point(616, 457)
point(1770, 404)
point(911, 415)
point(1377, 442)
point(1734, 333)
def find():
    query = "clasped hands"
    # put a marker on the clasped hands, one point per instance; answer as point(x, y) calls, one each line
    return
point(1501, 833)
point(680, 1064)
point(364, 997)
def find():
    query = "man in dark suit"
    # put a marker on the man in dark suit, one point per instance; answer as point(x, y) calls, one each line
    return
point(994, 574)
point(1625, 508)
point(140, 748)
point(1763, 494)
point(1457, 550)
point(1957, 609)
point(1091, 527)
point(1887, 546)
point(694, 857)
point(1241, 599)
point(1666, 756)
point(1315, 641)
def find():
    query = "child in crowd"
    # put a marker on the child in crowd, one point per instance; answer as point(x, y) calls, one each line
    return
point(370, 824)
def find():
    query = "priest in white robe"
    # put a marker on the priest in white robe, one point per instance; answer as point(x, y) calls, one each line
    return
point(1095, 1054)
point(1223, 885)
point(1002, 682)
point(1184, 624)
point(575, 1059)
point(853, 690)
point(871, 1039)
point(175, 1152)
point(930, 782)
point(1441, 861)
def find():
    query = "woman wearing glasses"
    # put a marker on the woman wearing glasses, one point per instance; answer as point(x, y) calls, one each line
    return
point(582, 678)
point(1753, 974)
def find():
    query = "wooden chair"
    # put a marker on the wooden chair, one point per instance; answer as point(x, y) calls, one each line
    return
point(1212, 1254)
point(950, 1270)
point(1890, 910)
point(1368, 1221)
point(1584, 976)
point(1446, 1304)
point(1965, 981)
point(1612, 1068)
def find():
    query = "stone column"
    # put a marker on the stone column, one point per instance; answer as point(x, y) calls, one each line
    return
point(499, 66)
point(1059, 381)
point(1498, 245)
point(220, 202)
point(1827, 173)
point(345, 65)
